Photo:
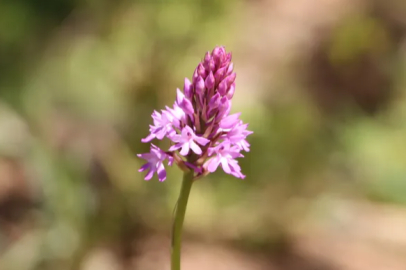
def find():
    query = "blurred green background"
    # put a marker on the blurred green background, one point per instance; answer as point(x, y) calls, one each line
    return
point(321, 83)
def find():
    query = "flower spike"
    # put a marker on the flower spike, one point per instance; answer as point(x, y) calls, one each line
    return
point(199, 124)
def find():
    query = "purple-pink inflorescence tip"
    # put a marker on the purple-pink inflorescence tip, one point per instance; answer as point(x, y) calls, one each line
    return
point(199, 124)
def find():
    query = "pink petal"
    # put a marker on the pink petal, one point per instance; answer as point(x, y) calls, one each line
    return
point(185, 149)
point(201, 140)
point(213, 164)
point(187, 106)
point(179, 96)
point(161, 133)
point(230, 121)
point(144, 167)
point(224, 164)
point(176, 138)
point(234, 165)
point(175, 147)
point(149, 138)
point(161, 172)
point(170, 161)
point(187, 130)
point(149, 175)
point(195, 148)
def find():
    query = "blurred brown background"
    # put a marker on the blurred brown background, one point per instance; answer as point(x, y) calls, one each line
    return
point(321, 82)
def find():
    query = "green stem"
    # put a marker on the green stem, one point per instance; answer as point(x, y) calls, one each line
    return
point(179, 218)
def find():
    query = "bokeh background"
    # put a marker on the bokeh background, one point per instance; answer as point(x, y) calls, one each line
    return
point(321, 82)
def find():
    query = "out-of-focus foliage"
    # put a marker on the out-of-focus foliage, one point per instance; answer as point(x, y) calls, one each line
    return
point(79, 80)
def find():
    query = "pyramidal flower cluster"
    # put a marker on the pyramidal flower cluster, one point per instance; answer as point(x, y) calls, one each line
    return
point(203, 133)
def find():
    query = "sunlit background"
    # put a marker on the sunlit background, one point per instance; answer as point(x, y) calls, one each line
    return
point(321, 82)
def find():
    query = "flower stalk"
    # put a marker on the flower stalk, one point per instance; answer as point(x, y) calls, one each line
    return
point(179, 218)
